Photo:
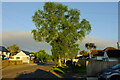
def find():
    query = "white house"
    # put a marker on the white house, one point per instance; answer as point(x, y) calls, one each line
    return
point(22, 55)
point(4, 52)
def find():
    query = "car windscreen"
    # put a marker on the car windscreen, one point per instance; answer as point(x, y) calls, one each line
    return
point(116, 66)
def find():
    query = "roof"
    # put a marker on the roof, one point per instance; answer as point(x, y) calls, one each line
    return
point(26, 52)
point(86, 55)
point(94, 52)
point(109, 48)
point(111, 52)
point(3, 49)
point(78, 57)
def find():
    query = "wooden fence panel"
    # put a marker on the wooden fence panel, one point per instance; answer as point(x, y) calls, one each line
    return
point(95, 67)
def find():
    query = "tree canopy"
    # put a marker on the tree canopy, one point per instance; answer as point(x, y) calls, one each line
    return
point(90, 45)
point(83, 52)
point(13, 49)
point(43, 56)
point(61, 27)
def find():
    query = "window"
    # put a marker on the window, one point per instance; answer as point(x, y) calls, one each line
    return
point(17, 57)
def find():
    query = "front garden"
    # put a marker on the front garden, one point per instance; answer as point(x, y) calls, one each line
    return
point(70, 68)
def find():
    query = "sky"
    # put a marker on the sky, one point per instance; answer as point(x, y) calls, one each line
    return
point(17, 23)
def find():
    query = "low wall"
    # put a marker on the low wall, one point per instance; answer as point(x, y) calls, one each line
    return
point(95, 67)
point(31, 62)
point(7, 63)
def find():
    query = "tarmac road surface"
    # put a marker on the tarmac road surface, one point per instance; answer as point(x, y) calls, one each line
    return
point(27, 71)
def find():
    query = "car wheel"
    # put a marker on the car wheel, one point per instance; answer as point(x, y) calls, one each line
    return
point(116, 77)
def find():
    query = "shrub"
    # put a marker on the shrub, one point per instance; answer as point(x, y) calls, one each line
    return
point(79, 69)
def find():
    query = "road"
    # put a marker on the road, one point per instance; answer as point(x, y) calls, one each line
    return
point(28, 71)
point(36, 71)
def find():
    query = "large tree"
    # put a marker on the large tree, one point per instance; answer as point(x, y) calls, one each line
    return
point(61, 27)
point(13, 49)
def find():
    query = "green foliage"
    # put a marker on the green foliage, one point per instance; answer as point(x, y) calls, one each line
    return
point(13, 49)
point(59, 69)
point(79, 69)
point(83, 52)
point(31, 52)
point(61, 27)
point(43, 56)
point(90, 45)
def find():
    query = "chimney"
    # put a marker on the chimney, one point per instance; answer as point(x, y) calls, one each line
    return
point(118, 45)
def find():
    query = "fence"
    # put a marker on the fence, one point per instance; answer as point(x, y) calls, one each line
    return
point(95, 67)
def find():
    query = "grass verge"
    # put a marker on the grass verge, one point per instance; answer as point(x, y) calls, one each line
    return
point(59, 69)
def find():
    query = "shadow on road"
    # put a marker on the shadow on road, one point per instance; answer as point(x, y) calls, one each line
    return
point(38, 74)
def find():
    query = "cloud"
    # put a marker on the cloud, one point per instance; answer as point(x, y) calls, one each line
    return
point(100, 42)
point(26, 42)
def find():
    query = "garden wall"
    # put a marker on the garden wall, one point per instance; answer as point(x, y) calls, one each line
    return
point(95, 67)
point(7, 63)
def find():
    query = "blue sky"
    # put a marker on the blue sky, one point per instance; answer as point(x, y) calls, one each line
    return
point(103, 16)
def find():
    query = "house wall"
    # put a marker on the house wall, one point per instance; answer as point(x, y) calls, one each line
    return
point(108, 59)
point(7, 54)
point(99, 57)
point(113, 59)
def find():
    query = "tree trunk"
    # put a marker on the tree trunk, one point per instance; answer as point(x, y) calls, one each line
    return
point(65, 60)
point(90, 55)
point(59, 61)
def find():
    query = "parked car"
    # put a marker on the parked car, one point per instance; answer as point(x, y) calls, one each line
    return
point(112, 73)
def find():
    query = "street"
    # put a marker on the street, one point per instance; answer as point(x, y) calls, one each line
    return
point(37, 71)
point(28, 71)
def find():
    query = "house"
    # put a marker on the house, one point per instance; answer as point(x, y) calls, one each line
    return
point(83, 56)
point(22, 55)
point(32, 56)
point(113, 55)
point(108, 54)
point(97, 54)
point(4, 52)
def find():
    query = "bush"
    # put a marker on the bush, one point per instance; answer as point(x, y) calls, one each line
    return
point(79, 69)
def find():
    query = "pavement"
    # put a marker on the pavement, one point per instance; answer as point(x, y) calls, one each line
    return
point(92, 78)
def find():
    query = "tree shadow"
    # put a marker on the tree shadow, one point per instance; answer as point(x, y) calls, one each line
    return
point(46, 64)
point(37, 75)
